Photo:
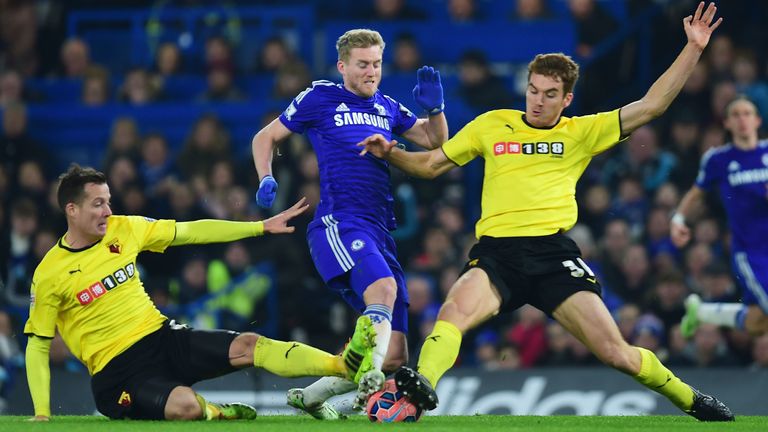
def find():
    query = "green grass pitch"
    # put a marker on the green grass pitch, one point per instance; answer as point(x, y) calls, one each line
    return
point(360, 423)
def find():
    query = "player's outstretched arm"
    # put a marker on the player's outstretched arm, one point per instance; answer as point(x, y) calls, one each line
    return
point(278, 224)
point(431, 132)
point(262, 148)
point(698, 29)
point(39, 376)
point(678, 228)
point(429, 164)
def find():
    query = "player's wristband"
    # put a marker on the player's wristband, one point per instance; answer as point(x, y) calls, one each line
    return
point(438, 109)
point(678, 219)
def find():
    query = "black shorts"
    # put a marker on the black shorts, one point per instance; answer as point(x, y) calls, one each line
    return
point(137, 382)
point(540, 271)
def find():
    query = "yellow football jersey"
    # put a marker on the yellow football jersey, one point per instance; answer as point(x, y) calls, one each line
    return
point(529, 185)
point(94, 295)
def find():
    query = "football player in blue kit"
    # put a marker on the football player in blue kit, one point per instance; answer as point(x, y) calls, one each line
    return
point(349, 237)
point(739, 172)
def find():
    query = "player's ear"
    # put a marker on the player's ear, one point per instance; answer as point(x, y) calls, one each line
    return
point(340, 66)
point(70, 209)
point(567, 100)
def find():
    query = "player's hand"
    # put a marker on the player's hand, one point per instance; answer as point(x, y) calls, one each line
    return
point(699, 27)
point(680, 233)
point(428, 92)
point(265, 196)
point(278, 224)
point(39, 418)
point(377, 145)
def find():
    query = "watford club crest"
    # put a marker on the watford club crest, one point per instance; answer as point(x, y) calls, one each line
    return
point(125, 399)
point(114, 247)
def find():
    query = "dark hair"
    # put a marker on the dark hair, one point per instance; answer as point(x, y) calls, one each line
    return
point(72, 184)
point(556, 65)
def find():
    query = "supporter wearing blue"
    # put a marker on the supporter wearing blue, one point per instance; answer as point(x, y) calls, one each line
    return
point(739, 172)
point(349, 238)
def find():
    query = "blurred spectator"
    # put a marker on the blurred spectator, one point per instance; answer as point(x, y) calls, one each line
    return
point(626, 319)
point(156, 169)
point(746, 74)
point(121, 174)
point(631, 204)
point(649, 334)
point(15, 144)
point(683, 144)
point(697, 258)
point(392, 10)
point(75, 58)
point(710, 349)
point(218, 54)
point(24, 223)
point(667, 298)
point(407, 54)
point(184, 205)
point(274, 54)
point(558, 346)
point(667, 197)
point(138, 89)
point(291, 79)
point(462, 11)
point(707, 231)
point(168, 61)
point(478, 86)
point(96, 87)
point(437, 251)
point(720, 56)
point(594, 208)
point(123, 141)
point(32, 183)
point(193, 282)
point(641, 157)
point(528, 335)
point(221, 86)
point(530, 10)
point(658, 241)
point(694, 97)
point(615, 242)
point(18, 37)
point(11, 88)
point(636, 270)
point(207, 143)
point(220, 181)
point(717, 284)
point(722, 94)
point(487, 350)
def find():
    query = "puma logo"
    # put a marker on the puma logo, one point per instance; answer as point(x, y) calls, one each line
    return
point(593, 280)
point(433, 338)
point(510, 127)
point(295, 345)
point(75, 270)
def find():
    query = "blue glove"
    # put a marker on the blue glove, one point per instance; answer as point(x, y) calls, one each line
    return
point(265, 196)
point(428, 92)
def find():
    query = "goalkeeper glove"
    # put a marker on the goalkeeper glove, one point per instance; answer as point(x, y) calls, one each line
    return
point(428, 92)
point(265, 196)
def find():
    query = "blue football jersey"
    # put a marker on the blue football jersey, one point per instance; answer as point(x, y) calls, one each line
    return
point(742, 180)
point(335, 120)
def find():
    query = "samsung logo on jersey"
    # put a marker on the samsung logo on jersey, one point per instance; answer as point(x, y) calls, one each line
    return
point(759, 175)
point(356, 118)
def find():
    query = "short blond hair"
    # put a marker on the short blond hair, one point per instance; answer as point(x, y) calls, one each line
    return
point(556, 65)
point(357, 38)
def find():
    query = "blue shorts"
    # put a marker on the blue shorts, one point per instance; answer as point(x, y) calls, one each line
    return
point(752, 273)
point(350, 254)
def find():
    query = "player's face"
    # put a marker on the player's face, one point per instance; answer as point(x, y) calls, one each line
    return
point(545, 100)
point(742, 120)
point(88, 219)
point(362, 72)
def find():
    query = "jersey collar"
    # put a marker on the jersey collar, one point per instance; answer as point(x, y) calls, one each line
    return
point(542, 128)
point(65, 247)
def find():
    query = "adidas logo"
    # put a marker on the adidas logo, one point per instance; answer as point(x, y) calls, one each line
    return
point(342, 107)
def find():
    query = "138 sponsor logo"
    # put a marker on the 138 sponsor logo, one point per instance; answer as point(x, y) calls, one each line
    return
point(107, 283)
point(556, 149)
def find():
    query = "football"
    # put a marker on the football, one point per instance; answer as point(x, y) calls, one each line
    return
point(389, 405)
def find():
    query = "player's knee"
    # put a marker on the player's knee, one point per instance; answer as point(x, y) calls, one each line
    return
point(183, 405)
point(383, 291)
point(756, 322)
point(241, 349)
point(393, 362)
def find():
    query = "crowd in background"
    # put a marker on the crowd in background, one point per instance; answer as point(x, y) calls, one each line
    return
point(626, 196)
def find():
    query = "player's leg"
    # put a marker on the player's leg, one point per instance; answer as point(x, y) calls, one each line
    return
point(472, 300)
point(750, 315)
point(184, 404)
point(584, 315)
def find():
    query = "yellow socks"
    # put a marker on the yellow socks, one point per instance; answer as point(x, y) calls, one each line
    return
point(658, 378)
point(439, 351)
point(294, 359)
